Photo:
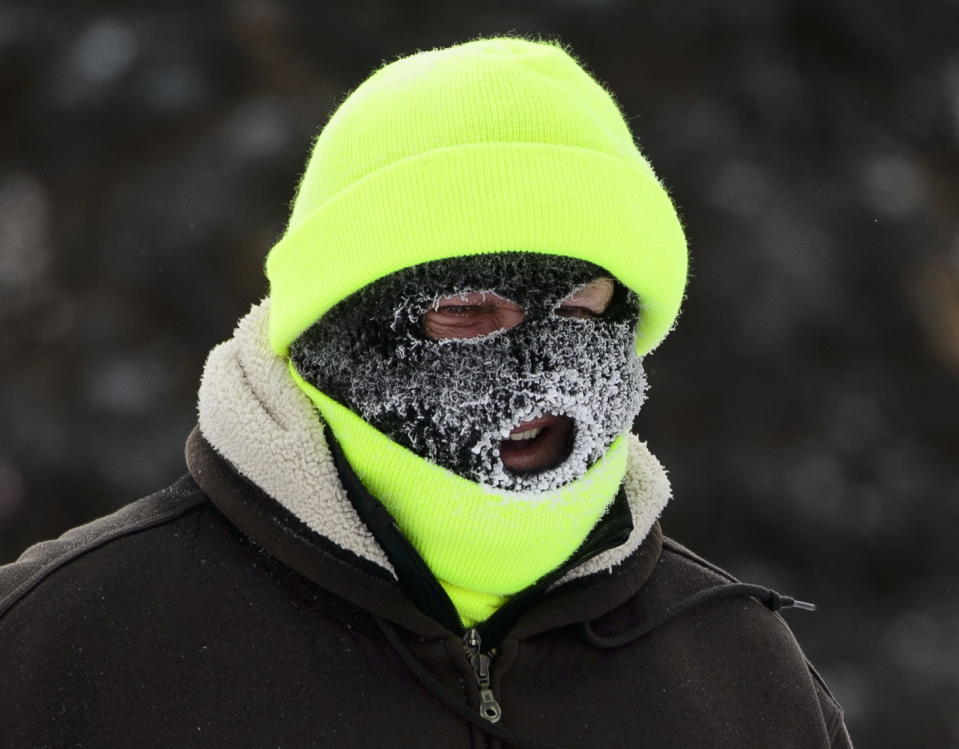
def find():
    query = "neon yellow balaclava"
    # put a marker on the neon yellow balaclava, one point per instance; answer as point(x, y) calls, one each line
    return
point(495, 145)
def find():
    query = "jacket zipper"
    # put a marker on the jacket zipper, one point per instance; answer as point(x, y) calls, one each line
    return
point(480, 663)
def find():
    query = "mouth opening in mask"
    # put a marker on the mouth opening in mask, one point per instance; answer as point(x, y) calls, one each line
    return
point(538, 445)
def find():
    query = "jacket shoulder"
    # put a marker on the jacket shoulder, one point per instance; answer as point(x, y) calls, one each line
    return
point(48, 558)
point(686, 556)
point(699, 572)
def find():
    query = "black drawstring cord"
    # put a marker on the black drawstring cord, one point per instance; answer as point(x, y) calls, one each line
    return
point(451, 701)
point(768, 597)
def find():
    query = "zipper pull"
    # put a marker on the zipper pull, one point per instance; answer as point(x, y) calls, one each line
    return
point(489, 707)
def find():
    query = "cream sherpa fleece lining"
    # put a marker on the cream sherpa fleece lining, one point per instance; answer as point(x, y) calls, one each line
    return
point(255, 416)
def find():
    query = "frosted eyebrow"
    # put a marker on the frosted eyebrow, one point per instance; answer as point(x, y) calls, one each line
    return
point(468, 297)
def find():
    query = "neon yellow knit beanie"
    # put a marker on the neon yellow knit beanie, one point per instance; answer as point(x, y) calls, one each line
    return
point(499, 144)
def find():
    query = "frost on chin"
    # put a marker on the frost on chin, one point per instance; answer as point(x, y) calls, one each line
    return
point(595, 429)
point(453, 402)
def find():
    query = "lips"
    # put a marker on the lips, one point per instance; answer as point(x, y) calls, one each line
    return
point(537, 445)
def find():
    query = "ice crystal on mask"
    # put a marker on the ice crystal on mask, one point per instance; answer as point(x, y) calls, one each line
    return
point(453, 401)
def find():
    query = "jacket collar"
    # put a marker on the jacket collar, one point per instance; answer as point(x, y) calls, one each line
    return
point(262, 457)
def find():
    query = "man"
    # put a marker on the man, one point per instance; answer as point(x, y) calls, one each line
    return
point(414, 514)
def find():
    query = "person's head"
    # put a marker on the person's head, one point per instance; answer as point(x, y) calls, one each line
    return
point(477, 258)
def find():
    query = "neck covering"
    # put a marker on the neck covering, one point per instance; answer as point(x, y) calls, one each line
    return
point(483, 544)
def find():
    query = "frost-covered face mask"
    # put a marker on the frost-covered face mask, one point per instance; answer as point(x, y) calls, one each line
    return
point(513, 370)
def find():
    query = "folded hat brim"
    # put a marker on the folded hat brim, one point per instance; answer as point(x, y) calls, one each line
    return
point(483, 198)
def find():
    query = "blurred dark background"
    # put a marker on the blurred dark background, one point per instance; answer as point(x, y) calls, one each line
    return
point(806, 406)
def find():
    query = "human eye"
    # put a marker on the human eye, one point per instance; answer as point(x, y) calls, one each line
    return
point(470, 314)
